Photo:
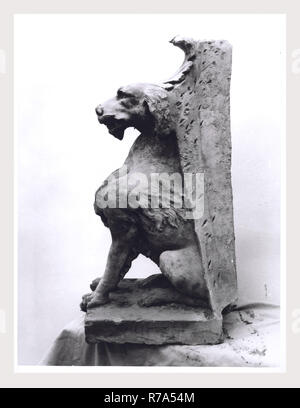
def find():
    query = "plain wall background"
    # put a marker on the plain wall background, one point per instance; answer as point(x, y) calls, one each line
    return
point(67, 64)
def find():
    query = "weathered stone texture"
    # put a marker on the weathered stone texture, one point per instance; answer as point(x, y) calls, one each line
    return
point(204, 140)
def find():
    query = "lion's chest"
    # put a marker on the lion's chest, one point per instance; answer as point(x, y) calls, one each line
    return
point(129, 194)
point(151, 154)
point(148, 159)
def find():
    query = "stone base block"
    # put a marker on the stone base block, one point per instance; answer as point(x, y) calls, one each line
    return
point(150, 311)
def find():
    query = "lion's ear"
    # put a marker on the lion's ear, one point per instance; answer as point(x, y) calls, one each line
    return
point(150, 105)
point(158, 106)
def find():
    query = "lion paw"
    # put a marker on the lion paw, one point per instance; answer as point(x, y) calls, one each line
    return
point(95, 283)
point(85, 300)
point(97, 300)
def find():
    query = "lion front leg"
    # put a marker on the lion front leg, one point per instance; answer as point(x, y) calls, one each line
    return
point(117, 258)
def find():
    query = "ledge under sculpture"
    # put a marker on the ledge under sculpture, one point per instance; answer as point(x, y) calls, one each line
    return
point(172, 202)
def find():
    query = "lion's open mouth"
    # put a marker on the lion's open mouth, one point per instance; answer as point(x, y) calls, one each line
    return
point(115, 127)
point(116, 130)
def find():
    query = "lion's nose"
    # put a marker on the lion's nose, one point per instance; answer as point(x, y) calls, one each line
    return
point(99, 110)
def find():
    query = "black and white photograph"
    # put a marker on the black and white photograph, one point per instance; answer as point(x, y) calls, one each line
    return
point(149, 159)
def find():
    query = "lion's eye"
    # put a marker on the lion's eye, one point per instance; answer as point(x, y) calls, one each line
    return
point(126, 103)
point(120, 94)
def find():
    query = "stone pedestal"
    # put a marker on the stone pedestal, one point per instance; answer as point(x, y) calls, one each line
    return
point(147, 312)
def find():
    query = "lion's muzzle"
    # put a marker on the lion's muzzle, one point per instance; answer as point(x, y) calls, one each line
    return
point(99, 110)
point(115, 126)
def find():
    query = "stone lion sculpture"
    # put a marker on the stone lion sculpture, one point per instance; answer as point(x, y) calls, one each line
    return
point(184, 126)
point(162, 234)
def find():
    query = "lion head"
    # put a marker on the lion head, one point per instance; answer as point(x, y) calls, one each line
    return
point(143, 106)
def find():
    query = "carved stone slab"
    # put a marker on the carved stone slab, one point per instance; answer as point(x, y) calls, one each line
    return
point(202, 88)
point(129, 317)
